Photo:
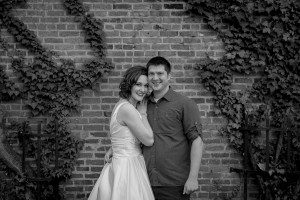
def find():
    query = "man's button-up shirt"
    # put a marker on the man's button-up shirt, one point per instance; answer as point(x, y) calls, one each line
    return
point(175, 121)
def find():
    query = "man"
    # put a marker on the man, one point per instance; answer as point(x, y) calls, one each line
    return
point(173, 161)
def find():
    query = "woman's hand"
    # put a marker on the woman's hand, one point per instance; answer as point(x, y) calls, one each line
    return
point(142, 106)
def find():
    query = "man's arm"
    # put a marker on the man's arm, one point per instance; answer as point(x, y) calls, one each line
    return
point(191, 184)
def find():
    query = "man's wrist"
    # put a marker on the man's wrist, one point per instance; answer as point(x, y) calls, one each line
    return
point(193, 176)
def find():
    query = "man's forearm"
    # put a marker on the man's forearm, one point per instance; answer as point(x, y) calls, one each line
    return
point(196, 156)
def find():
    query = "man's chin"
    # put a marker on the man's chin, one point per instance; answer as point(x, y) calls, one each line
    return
point(156, 88)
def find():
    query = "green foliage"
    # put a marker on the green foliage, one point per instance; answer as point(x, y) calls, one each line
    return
point(17, 188)
point(52, 90)
point(7, 5)
point(261, 38)
point(217, 186)
point(93, 28)
point(51, 87)
point(19, 30)
point(8, 89)
point(68, 149)
point(22, 186)
point(74, 8)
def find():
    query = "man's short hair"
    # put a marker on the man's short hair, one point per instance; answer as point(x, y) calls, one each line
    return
point(158, 60)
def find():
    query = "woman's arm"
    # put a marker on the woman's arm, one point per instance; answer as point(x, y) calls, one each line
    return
point(139, 127)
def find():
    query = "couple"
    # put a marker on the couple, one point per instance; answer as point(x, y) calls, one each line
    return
point(168, 126)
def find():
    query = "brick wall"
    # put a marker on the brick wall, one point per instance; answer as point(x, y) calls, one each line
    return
point(135, 31)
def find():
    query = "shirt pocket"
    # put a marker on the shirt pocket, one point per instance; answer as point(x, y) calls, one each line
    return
point(170, 115)
point(169, 121)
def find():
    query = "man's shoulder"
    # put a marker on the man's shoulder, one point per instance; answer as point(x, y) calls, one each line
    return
point(181, 97)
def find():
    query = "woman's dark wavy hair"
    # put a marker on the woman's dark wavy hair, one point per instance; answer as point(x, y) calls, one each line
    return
point(130, 78)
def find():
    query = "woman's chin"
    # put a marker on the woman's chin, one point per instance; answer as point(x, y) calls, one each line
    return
point(139, 99)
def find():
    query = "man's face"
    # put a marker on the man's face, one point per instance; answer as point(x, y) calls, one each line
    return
point(158, 78)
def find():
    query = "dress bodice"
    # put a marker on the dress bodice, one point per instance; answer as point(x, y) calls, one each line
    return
point(124, 143)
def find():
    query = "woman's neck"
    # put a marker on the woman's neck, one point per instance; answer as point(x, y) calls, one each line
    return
point(132, 101)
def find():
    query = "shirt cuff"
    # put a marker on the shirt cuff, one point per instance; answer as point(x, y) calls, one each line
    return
point(195, 132)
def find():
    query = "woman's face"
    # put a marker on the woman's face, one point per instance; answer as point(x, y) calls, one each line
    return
point(139, 89)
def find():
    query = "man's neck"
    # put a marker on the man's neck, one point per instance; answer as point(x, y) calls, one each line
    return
point(160, 94)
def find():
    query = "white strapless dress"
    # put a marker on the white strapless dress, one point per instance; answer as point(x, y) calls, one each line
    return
point(125, 178)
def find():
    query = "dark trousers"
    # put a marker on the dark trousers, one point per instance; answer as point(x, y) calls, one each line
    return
point(169, 193)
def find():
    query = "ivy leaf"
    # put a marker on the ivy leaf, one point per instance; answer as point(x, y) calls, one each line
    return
point(40, 86)
point(266, 30)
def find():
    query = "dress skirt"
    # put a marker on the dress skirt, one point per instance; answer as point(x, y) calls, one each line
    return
point(125, 178)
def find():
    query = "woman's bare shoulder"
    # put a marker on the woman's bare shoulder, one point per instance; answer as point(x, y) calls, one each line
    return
point(127, 109)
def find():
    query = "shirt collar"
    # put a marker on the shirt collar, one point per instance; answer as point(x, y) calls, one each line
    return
point(169, 96)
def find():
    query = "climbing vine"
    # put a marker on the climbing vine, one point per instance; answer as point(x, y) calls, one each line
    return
point(261, 39)
point(93, 28)
point(51, 87)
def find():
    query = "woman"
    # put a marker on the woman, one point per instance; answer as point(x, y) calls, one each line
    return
point(125, 178)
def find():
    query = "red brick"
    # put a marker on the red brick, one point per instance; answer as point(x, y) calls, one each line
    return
point(102, 6)
point(53, 40)
point(94, 162)
point(149, 33)
point(214, 148)
point(48, 33)
point(220, 155)
point(178, 13)
point(80, 169)
point(186, 53)
point(91, 141)
point(192, 40)
point(168, 33)
point(69, 33)
point(99, 155)
point(180, 47)
point(93, 127)
point(99, 134)
point(140, 6)
point(96, 169)
point(230, 162)
point(159, 13)
point(160, 46)
point(173, 6)
point(83, 182)
point(117, 13)
point(94, 175)
point(74, 189)
point(97, 120)
point(91, 113)
point(122, 6)
point(55, 13)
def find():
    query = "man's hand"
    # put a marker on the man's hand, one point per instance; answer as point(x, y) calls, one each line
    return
point(190, 186)
point(108, 156)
